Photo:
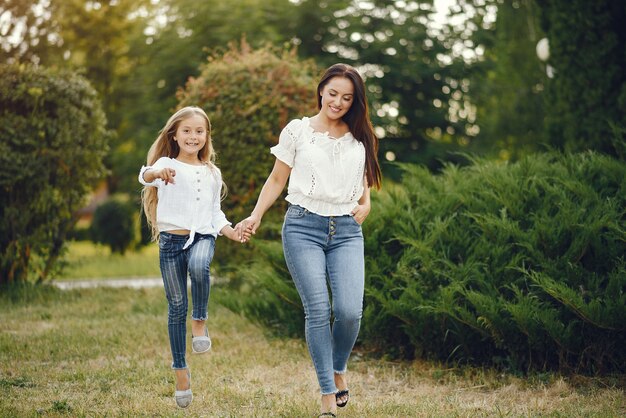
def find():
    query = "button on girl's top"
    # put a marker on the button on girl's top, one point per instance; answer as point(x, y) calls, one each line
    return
point(327, 173)
point(192, 202)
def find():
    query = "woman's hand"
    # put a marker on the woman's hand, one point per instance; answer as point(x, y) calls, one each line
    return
point(360, 212)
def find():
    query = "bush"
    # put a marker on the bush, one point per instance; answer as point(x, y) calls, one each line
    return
point(53, 143)
point(519, 266)
point(114, 225)
point(250, 95)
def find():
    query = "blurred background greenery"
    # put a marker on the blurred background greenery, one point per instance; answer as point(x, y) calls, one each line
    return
point(456, 88)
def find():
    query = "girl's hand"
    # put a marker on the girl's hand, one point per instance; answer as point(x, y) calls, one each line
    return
point(241, 234)
point(166, 174)
point(360, 212)
point(250, 224)
point(234, 233)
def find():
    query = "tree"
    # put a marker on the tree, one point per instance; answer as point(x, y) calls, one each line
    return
point(51, 154)
point(169, 53)
point(415, 81)
point(507, 80)
point(587, 95)
point(29, 32)
point(250, 95)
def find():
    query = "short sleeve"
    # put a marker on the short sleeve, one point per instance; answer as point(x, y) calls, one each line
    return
point(285, 150)
point(160, 163)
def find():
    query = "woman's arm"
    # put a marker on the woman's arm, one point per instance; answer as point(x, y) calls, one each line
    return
point(272, 188)
point(361, 211)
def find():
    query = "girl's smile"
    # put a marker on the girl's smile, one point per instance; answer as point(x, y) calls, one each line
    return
point(191, 137)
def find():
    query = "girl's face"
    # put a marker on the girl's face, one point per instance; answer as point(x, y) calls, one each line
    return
point(191, 136)
point(337, 97)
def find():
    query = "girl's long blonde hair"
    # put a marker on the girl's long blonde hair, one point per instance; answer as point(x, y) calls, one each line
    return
point(165, 146)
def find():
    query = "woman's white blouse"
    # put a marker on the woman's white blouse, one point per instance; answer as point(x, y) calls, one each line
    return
point(327, 173)
point(192, 202)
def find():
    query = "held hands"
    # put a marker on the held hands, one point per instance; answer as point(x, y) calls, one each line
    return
point(360, 212)
point(248, 226)
point(236, 234)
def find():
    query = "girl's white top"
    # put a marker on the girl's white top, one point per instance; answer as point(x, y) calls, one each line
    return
point(192, 202)
point(327, 173)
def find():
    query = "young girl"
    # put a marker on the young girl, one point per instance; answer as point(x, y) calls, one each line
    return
point(181, 199)
point(331, 161)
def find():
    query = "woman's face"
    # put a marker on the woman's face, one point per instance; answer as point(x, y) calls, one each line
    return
point(337, 97)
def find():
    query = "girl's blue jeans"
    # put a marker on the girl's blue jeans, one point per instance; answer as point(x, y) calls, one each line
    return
point(176, 264)
point(325, 252)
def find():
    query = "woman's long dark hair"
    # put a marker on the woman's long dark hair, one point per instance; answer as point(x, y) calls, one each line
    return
point(357, 118)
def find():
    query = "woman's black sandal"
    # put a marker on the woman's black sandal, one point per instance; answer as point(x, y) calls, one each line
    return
point(341, 394)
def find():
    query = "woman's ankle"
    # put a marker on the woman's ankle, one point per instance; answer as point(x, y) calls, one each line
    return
point(340, 381)
point(328, 403)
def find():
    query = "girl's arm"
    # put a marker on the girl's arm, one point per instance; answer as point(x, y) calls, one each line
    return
point(166, 174)
point(272, 188)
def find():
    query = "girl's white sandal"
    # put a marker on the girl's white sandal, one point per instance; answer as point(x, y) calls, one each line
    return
point(201, 344)
point(184, 397)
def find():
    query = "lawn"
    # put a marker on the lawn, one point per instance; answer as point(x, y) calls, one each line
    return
point(86, 260)
point(104, 352)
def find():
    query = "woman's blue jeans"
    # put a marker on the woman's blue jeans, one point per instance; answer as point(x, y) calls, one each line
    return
point(175, 264)
point(323, 252)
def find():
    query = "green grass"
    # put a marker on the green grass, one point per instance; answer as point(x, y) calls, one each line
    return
point(86, 260)
point(104, 352)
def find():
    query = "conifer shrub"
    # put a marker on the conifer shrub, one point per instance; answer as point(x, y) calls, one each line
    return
point(520, 266)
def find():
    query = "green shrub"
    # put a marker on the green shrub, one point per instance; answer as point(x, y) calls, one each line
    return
point(53, 143)
point(265, 292)
point(520, 266)
point(114, 225)
point(250, 95)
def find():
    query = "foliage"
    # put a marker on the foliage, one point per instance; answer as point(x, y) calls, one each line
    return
point(587, 95)
point(402, 87)
point(114, 225)
point(250, 95)
point(516, 265)
point(415, 81)
point(264, 292)
point(507, 79)
point(167, 55)
point(54, 141)
point(24, 20)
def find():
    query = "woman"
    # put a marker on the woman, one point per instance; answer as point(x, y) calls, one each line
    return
point(331, 161)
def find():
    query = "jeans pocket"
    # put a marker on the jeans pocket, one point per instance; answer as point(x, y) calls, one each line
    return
point(295, 212)
point(355, 221)
point(165, 242)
